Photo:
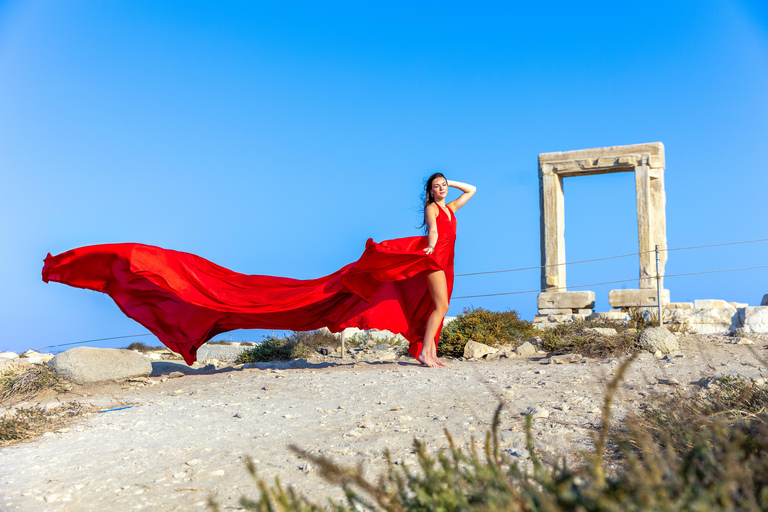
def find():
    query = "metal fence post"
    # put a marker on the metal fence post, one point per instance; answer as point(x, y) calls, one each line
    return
point(658, 287)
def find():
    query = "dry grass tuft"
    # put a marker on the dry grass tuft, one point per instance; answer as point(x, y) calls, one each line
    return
point(21, 381)
point(27, 423)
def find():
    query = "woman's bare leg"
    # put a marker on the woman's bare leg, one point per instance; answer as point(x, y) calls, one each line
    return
point(438, 289)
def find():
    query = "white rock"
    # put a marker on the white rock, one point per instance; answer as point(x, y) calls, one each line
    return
point(477, 350)
point(526, 349)
point(565, 359)
point(710, 303)
point(609, 315)
point(537, 411)
point(754, 319)
point(658, 339)
point(720, 320)
point(9, 355)
point(193, 462)
point(602, 331)
point(88, 364)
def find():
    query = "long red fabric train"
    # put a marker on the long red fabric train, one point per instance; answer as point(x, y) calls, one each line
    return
point(186, 300)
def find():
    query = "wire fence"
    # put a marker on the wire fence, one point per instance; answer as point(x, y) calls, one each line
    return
point(539, 290)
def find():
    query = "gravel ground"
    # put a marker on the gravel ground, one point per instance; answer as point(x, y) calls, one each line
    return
point(186, 439)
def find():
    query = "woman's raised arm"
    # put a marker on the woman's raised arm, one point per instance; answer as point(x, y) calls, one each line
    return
point(469, 191)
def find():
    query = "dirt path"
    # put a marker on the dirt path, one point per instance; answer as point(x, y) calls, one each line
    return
point(186, 439)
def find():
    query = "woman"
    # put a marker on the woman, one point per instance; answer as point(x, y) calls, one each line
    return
point(440, 282)
point(402, 285)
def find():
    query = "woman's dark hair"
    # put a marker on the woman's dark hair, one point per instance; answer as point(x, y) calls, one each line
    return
point(428, 198)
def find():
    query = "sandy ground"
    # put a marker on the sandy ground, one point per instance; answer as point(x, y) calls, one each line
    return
point(186, 439)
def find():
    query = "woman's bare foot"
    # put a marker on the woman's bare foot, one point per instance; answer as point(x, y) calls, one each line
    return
point(440, 362)
point(427, 361)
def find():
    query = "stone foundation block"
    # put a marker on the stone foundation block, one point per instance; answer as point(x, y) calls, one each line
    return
point(563, 311)
point(636, 298)
point(566, 300)
point(708, 321)
point(585, 312)
point(609, 315)
point(679, 305)
point(754, 319)
point(709, 303)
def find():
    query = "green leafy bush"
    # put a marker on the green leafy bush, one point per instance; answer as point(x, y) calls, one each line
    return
point(141, 347)
point(299, 344)
point(574, 337)
point(483, 326)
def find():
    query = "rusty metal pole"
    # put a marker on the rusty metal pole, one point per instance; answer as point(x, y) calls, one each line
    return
point(658, 287)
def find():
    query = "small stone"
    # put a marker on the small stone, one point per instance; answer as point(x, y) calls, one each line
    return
point(744, 341)
point(565, 359)
point(179, 475)
point(193, 462)
point(270, 387)
point(526, 349)
point(175, 375)
point(537, 411)
point(50, 498)
point(671, 381)
point(602, 331)
point(62, 430)
point(659, 339)
point(218, 472)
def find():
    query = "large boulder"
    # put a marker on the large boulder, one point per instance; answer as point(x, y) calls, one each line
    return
point(655, 339)
point(475, 350)
point(754, 319)
point(84, 365)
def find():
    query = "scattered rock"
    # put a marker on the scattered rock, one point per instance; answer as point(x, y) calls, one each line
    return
point(658, 339)
point(526, 349)
point(564, 359)
point(537, 411)
point(671, 381)
point(84, 365)
point(193, 462)
point(270, 387)
point(602, 331)
point(477, 350)
point(175, 375)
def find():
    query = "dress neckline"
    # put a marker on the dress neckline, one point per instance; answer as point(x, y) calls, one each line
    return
point(450, 217)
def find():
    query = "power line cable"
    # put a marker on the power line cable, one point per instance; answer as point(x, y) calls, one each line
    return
point(611, 257)
point(91, 341)
point(614, 282)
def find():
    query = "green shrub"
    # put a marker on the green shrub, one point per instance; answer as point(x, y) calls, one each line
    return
point(299, 344)
point(137, 345)
point(573, 337)
point(483, 326)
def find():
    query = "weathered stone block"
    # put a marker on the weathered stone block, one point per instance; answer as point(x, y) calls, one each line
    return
point(738, 305)
point(566, 300)
point(220, 352)
point(709, 303)
point(585, 312)
point(709, 321)
point(754, 319)
point(636, 298)
point(678, 305)
point(563, 311)
point(609, 315)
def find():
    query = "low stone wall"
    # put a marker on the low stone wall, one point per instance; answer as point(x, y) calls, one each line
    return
point(701, 317)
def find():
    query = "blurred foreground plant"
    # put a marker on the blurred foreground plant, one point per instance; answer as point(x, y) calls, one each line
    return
point(710, 454)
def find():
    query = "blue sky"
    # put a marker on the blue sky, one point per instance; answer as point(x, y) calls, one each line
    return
point(276, 137)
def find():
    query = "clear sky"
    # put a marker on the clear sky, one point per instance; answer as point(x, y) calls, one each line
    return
point(276, 137)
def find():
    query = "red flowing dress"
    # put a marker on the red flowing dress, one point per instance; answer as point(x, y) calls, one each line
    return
point(186, 300)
